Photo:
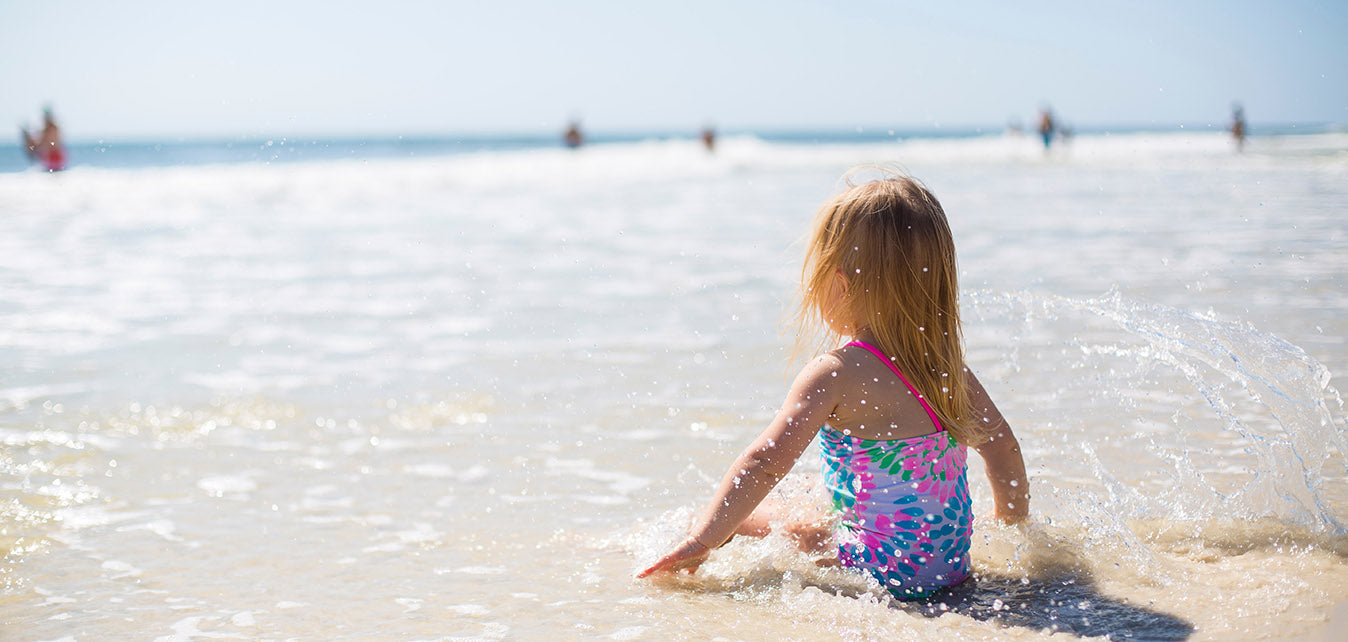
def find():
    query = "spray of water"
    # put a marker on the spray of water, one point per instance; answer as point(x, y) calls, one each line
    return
point(1236, 423)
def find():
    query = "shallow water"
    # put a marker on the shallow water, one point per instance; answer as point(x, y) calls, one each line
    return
point(467, 397)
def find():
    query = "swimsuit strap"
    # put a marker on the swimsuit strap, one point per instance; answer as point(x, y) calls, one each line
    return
point(881, 356)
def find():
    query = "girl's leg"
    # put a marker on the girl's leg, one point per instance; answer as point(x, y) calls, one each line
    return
point(809, 527)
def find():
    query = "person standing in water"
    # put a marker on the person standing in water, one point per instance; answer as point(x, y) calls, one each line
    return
point(1238, 126)
point(1046, 126)
point(896, 407)
point(709, 138)
point(573, 138)
point(46, 148)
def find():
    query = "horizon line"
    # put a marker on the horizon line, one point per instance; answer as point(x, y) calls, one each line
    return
point(630, 133)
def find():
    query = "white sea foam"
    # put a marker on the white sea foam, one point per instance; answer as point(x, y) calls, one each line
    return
point(161, 527)
point(430, 470)
point(118, 569)
point(220, 485)
point(469, 609)
point(474, 570)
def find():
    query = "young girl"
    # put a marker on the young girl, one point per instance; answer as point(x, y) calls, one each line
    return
point(895, 407)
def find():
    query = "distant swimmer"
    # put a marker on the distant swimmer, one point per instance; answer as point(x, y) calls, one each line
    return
point(46, 148)
point(709, 138)
point(1238, 126)
point(573, 138)
point(1046, 126)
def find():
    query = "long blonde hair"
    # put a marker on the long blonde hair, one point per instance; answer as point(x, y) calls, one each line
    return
point(890, 240)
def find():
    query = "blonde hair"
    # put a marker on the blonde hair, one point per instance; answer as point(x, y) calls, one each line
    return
point(890, 239)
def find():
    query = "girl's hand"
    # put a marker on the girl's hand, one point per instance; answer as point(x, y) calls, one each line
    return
point(687, 557)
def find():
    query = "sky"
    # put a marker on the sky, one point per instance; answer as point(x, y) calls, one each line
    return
point(153, 69)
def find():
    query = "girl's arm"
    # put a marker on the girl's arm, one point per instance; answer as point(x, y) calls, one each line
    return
point(810, 402)
point(1001, 458)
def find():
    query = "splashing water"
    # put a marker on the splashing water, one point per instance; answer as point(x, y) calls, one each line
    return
point(1239, 423)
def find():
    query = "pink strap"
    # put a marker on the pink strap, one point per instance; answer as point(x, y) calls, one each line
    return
point(881, 356)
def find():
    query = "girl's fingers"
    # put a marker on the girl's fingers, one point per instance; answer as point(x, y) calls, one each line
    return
point(685, 558)
point(670, 563)
point(660, 565)
point(656, 567)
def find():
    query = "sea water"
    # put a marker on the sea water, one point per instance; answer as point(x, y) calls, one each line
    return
point(468, 395)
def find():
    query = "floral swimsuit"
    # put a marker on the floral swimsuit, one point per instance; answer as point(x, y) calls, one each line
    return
point(903, 504)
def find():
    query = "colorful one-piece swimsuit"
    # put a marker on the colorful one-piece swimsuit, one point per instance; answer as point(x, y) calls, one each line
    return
point(903, 504)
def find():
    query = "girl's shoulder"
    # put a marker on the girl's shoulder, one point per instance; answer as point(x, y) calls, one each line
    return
point(840, 367)
point(853, 358)
point(854, 365)
point(828, 364)
point(820, 373)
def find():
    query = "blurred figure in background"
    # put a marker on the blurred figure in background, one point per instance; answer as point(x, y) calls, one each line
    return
point(1046, 126)
point(573, 138)
point(1238, 126)
point(46, 148)
point(709, 138)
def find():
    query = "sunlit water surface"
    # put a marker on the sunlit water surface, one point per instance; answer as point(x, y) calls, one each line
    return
point(467, 397)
